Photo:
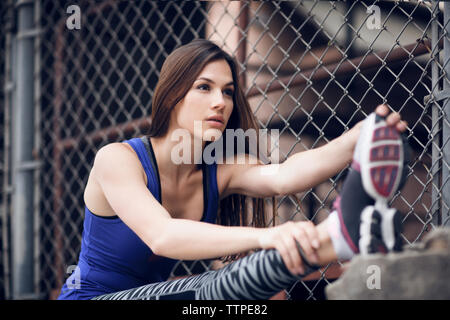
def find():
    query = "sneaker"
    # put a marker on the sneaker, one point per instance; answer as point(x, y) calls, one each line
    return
point(378, 171)
point(384, 154)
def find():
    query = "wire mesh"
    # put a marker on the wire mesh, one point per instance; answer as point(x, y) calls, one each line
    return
point(312, 69)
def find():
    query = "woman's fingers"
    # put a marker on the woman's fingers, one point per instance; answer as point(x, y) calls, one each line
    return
point(293, 259)
point(306, 235)
point(307, 238)
point(393, 119)
point(294, 255)
point(290, 255)
point(382, 110)
point(286, 238)
point(312, 234)
point(284, 252)
point(401, 126)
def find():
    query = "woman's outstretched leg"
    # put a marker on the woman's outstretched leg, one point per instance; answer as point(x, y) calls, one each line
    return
point(256, 276)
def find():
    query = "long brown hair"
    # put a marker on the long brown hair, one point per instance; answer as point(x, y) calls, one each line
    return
point(178, 73)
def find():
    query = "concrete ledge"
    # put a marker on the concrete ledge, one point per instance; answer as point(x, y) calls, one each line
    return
point(419, 272)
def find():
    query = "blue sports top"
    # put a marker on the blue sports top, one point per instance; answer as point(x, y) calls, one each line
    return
point(113, 257)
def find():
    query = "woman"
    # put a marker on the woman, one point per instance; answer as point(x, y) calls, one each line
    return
point(145, 209)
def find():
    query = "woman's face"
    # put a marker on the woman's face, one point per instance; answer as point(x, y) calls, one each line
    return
point(207, 106)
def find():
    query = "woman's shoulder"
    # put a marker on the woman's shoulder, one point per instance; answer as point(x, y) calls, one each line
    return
point(116, 155)
point(114, 149)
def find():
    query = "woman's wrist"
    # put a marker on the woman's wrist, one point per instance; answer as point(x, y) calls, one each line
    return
point(264, 238)
point(347, 141)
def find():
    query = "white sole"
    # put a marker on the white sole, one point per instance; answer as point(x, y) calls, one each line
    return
point(381, 159)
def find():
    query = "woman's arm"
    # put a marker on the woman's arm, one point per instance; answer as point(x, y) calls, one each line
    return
point(307, 169)
point(119, 173)
point(301, 171)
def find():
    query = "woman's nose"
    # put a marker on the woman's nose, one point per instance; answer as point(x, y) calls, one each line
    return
point(218, 101)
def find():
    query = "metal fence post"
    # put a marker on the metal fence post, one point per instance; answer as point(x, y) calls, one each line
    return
point(10, 62)
point(22, 164)
point(446, 122)
point(435, 123)
point(8, 90)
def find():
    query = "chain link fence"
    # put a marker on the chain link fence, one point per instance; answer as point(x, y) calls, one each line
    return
point(311, 69)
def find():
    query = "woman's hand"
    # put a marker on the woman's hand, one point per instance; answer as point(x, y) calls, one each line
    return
point(283, 239)
point(392, 119)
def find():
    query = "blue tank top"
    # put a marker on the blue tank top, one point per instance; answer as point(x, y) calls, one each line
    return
point(113, 257)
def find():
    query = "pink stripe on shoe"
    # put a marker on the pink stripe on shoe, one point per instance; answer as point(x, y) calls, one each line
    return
point(356, 166)
point(348, 239)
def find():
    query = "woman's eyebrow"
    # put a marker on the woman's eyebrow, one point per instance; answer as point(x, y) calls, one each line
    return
point(209, 80)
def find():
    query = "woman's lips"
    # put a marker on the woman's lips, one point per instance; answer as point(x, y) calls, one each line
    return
point(214, 123)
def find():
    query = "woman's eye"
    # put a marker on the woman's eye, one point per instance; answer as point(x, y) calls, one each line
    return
point(228, 92)
point(203, 87)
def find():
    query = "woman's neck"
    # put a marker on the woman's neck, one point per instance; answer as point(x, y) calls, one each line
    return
point(177, 160)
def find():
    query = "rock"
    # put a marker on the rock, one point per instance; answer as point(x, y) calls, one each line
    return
point(419, 272)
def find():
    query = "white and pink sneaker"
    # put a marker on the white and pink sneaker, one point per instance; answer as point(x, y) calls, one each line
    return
point(382, 155)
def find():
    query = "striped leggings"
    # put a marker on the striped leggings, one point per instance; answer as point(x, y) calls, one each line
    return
point(257, 276)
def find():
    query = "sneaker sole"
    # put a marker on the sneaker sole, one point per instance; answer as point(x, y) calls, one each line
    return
point(382, 159)
point(371, 233)
point(391, 228)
